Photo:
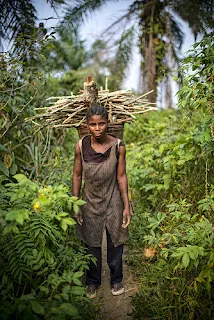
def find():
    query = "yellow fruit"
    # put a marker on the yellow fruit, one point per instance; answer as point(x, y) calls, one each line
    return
point(132, 144)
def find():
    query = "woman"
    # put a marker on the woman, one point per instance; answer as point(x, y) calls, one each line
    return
point(101, 159)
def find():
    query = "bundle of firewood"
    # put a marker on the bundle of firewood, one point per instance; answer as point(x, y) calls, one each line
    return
point(70, 111)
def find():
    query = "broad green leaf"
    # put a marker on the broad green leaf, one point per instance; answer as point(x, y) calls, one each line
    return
point(78, 274)
point(37, 307)
point(76, 208)
point(69, 203)
point(80, 202)
point(36, 267)
point(77, 290)
point(34, 252)
point(14, 197)
point(77, 281)
point(20, 219)
point(60, 215)
point(15, 229)
point(19, 215)
point(4, 169)
point(44, 289)
point(20, 177)
point(13, 169)
point(65, 296)
point(66, 288)
point(7, 230)
point(3, 148)
point(185, 260)
point(11, 215)
point(69, 309)
point(64, 225)
point(177, 254)
point(73, 198)
point(70, 221)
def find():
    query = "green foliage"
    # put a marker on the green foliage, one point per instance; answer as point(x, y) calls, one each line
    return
point(42, 262)
point(25, 86)
point(181, 275)
point(197, 87)
point(170, 165)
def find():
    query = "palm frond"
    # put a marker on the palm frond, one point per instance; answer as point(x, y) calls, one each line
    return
point(199, 15)
point(123, 54)
point(81, 10)
point(177, 33)
point(16, 16)
point(132, 12)
point(55, 3)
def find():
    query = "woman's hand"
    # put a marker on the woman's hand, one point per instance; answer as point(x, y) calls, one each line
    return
point(126, 218)
point(78, 217)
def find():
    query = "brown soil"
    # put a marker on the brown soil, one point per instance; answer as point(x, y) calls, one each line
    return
point(115, 307)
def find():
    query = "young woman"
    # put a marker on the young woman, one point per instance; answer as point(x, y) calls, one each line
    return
point(101, 159)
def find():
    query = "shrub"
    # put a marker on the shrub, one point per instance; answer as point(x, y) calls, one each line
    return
point(42, 262)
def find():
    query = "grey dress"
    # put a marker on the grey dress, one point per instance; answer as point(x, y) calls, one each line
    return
point(104, 205)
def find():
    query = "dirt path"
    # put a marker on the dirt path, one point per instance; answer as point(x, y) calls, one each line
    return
point(115, 307)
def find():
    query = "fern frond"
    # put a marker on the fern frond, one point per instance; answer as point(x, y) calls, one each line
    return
point(13, 257)
point(41, 228)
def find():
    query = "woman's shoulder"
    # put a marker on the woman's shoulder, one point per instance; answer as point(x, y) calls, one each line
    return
point(82, 142)
point(115, 139)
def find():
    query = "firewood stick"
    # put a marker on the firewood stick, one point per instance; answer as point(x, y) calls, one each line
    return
point(71, 116)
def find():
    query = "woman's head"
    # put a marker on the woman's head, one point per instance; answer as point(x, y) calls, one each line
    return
point(97, 121)
point(97, 110)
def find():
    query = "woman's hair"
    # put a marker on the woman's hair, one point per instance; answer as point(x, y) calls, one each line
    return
point(97, 110)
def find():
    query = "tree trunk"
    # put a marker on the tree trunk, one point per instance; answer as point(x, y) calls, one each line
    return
point(149, 72)
point(149, 69)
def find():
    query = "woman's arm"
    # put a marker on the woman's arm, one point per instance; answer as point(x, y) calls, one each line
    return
point(77, 179)
point(123, 185)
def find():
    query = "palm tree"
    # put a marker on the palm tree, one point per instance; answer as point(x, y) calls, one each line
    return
point(159, 34)
point(19, 17)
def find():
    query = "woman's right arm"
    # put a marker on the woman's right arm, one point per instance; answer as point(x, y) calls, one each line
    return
point(77, 178)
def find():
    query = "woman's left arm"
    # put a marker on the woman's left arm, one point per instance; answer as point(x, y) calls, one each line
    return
point(123, 185)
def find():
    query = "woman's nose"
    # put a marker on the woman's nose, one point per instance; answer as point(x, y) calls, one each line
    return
point(97, 127)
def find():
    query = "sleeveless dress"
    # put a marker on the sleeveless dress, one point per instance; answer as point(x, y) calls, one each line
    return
point(104, 205)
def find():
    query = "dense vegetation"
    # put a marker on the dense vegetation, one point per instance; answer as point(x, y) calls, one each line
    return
point(170, 162)
point(170, 168)
point(42, 261)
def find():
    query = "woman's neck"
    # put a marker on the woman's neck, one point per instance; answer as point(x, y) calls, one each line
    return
point(102, 140)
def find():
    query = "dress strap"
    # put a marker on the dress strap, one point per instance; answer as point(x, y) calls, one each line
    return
point(118, 143)
point(117, 147)
point(80, 146)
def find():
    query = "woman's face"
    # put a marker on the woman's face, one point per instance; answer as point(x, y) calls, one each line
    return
point(97, 126)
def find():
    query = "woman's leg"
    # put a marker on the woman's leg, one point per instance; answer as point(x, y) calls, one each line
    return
point(93, 275)
point(114, 259)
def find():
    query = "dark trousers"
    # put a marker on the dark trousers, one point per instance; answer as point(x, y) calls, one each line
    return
point(114, 260)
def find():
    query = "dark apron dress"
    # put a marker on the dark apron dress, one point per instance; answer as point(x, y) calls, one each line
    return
point(104, 205)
